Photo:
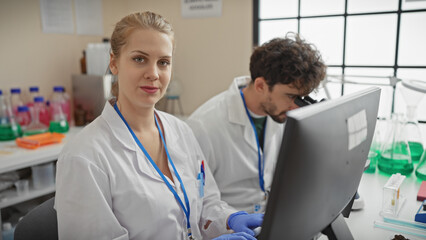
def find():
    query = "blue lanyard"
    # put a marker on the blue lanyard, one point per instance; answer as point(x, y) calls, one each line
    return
point(186, 209)
point(261, 164)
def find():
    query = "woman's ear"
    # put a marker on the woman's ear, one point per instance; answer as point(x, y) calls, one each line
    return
point(113, 64)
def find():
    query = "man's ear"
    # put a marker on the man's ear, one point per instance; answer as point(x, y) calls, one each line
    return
point(260, 85)
point(113, 64)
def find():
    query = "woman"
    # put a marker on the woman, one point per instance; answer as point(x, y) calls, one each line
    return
point(135, 172)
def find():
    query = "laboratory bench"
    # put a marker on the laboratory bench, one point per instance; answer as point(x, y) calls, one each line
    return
point(361, 222)
point(14, 158)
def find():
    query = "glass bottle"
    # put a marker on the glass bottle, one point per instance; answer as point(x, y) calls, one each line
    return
point(395, 155)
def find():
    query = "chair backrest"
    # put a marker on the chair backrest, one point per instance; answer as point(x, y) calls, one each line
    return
point(39, 223)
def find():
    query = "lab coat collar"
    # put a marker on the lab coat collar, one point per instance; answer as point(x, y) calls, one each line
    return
point(118, 127)
point(238, 115)
point(123, 135)
point(121, 132)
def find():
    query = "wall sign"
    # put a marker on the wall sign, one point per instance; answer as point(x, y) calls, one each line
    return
point(201, 8)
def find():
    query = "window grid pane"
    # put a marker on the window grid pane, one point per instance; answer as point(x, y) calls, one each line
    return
point(323, 7)
point(370, 40)
point(412, 47)
point(275, 28)
point(318, 32)
point(278, 8)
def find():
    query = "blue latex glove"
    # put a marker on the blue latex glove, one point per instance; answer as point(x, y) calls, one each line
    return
point(244, 222)
point(236, 236)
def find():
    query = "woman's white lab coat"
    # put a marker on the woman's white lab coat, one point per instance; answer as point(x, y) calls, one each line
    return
point(107, 189)
point(228, 141)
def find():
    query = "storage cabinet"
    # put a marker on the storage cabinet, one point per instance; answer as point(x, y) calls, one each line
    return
point(14, 158)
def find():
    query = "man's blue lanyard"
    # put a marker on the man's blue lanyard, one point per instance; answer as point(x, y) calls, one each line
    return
point(186, 209)
point(261, 164)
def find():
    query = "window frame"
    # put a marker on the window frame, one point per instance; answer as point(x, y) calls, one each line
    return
point(345, 15)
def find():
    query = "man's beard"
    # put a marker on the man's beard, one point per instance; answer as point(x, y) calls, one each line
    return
point(269, 108)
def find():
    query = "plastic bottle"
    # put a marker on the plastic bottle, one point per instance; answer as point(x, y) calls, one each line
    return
point(38, 112)
point(59, 95)
point(34, 92)
point(3, 109)
point(41, 110)
point(8, 231)
point(15, 99)
point(9, 128)
point(58, 117)
point(66, 106)
point(23, 117)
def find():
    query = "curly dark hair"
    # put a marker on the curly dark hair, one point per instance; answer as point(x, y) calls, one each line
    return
point(288, 60)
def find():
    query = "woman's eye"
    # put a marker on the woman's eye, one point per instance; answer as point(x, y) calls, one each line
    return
point(164, 63)
point(139, 59)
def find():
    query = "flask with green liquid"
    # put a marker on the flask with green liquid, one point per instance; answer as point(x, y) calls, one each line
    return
point(395, 155)
point(9, 127)
point(421, 168)
point(411, 128)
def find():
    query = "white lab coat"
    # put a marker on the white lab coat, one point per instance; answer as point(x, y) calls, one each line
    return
point(107, 189)
point(223, 129)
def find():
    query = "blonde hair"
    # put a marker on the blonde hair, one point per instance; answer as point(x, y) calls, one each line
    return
point(131, 22)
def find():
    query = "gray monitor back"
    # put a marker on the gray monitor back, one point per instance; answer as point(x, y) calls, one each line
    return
point(320, 164)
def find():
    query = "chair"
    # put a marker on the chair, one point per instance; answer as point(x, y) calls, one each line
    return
point(40, 223)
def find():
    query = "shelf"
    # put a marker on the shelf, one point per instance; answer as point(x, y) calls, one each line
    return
point(10, 197)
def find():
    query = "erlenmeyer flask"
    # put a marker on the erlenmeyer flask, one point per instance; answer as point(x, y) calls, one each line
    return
point(411, 128)
point(395, 154)
point(9, 128)
point(421, 168)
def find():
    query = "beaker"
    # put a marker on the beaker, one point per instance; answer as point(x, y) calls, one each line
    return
point(395, 155)
point(411, 126)
point(421, 168)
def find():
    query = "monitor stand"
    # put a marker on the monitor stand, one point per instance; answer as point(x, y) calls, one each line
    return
point(338, 230)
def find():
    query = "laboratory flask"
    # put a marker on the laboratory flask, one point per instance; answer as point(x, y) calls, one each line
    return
point(421, 168)
point(395, 154)
point(38, 111)
point(411, 126)
point(9, 128)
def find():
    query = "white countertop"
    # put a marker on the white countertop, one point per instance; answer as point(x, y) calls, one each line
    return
point(13, 157)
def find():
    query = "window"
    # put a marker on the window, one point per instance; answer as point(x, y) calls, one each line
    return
point(375, 39)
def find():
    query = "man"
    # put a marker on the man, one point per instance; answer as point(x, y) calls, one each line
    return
point(240, 130)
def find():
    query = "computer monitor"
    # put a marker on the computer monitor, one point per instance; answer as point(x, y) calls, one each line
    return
point(320, 164)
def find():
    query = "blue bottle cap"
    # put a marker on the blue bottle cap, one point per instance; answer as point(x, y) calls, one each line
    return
point(39, 99)
point(1, 92)
point(34, 89)
point(22, 109)
point(58, 88)
point(15, 90)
